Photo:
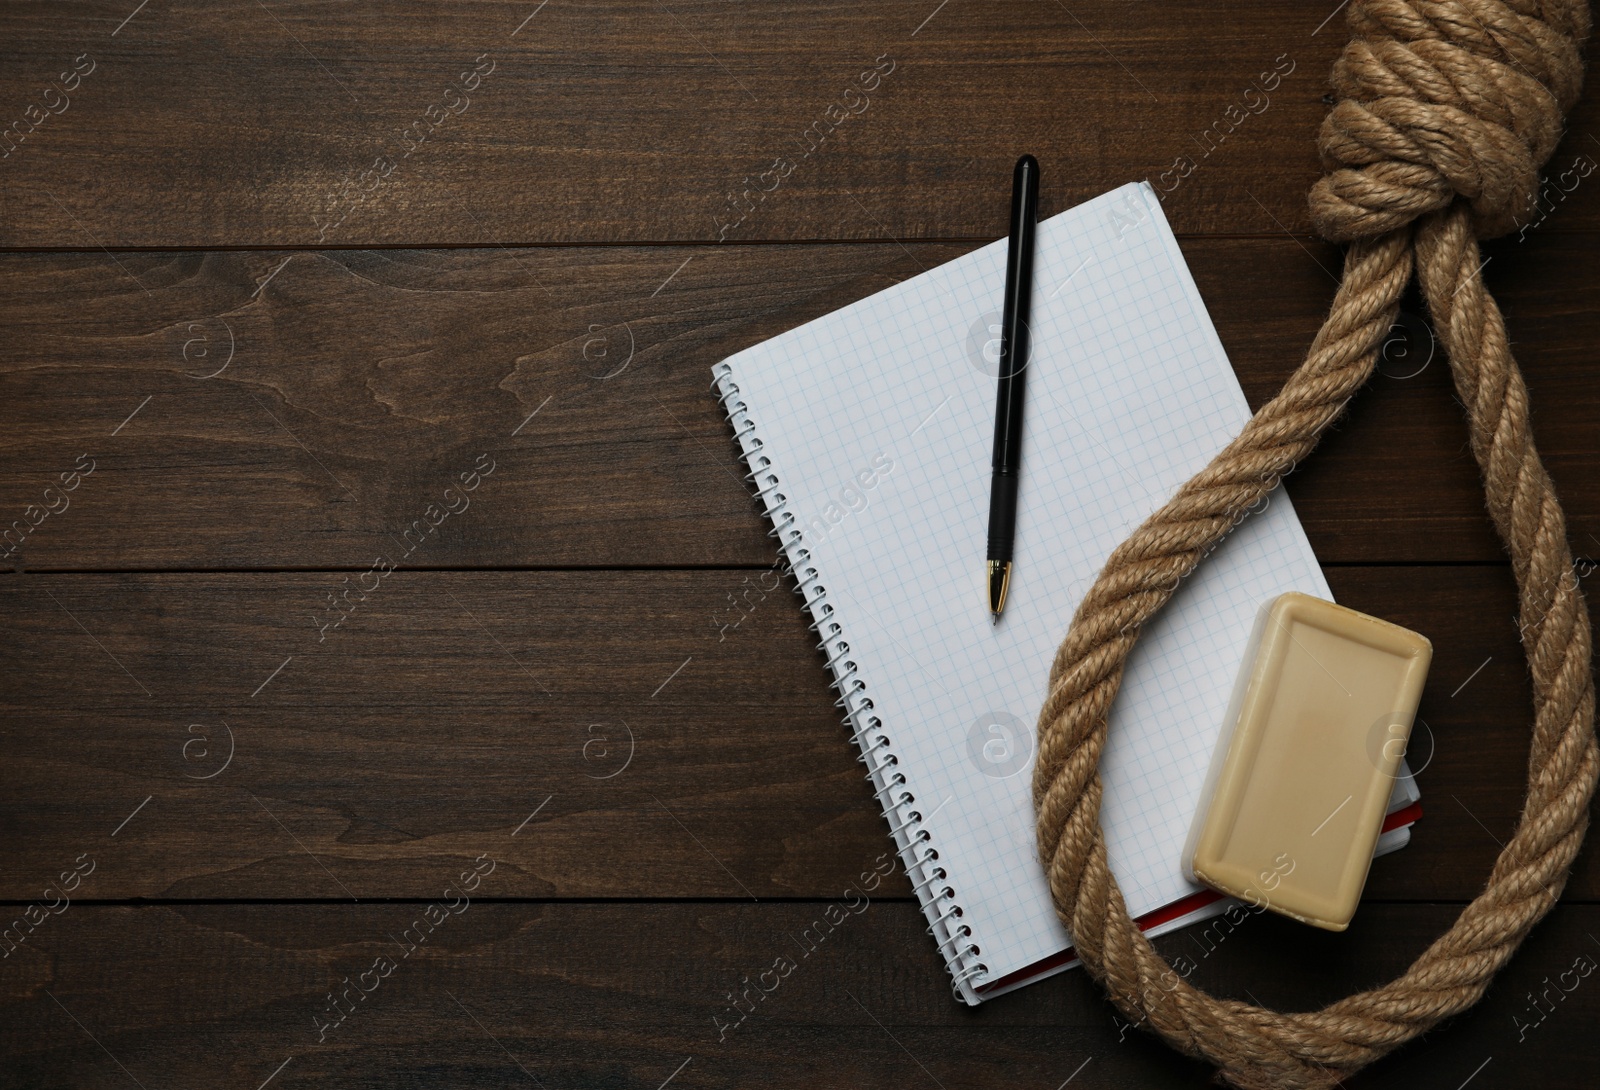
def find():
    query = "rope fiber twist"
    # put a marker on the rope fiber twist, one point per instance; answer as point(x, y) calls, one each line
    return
point(1447, 109)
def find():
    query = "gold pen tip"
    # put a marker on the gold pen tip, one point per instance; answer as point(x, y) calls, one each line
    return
point(999, 583)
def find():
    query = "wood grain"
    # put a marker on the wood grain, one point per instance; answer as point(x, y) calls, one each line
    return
point(449, 707)
point(196, 996)
point(351, 388)
point(247, 123)
point(279, 325)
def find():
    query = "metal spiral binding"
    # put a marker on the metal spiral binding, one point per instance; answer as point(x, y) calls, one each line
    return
point(940, 902)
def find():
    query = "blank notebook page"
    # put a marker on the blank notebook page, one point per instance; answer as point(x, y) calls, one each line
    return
point(879, 422)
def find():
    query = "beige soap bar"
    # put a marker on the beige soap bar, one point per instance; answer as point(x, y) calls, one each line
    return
point(1295, 797)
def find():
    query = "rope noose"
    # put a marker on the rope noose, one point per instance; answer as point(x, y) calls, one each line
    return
point(1447, 110)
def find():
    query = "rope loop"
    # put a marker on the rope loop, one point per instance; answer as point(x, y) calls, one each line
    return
point(1448, 109)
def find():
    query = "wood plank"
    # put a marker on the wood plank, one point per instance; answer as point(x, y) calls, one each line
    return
point(296, 124)
point(351, 388)
point(420, 732)
point(632, 995)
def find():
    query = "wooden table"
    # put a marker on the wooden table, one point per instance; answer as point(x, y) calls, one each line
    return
point(263, 327)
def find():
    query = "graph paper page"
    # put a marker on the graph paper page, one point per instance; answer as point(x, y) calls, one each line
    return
point(879, 419)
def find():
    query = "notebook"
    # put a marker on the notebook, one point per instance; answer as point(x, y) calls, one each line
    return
point(868, 435)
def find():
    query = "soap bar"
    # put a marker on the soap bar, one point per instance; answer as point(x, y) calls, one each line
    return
point(1295, 796)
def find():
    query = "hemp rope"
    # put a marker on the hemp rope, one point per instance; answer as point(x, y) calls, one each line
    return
point(1448, 108)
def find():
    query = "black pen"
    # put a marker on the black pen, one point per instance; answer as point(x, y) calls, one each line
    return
point(1007, 461)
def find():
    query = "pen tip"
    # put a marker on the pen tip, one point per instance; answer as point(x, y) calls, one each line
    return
point(999, 582)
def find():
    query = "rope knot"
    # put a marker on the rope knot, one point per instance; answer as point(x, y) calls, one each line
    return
point(1445, 98)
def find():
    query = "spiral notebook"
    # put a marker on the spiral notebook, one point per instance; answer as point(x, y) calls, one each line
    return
point(868, 434)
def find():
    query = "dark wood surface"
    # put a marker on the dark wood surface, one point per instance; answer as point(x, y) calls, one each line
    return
point(633, 120)
point(452, 704)
point(565, 994)
point(322, 437)
point(273, 375)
